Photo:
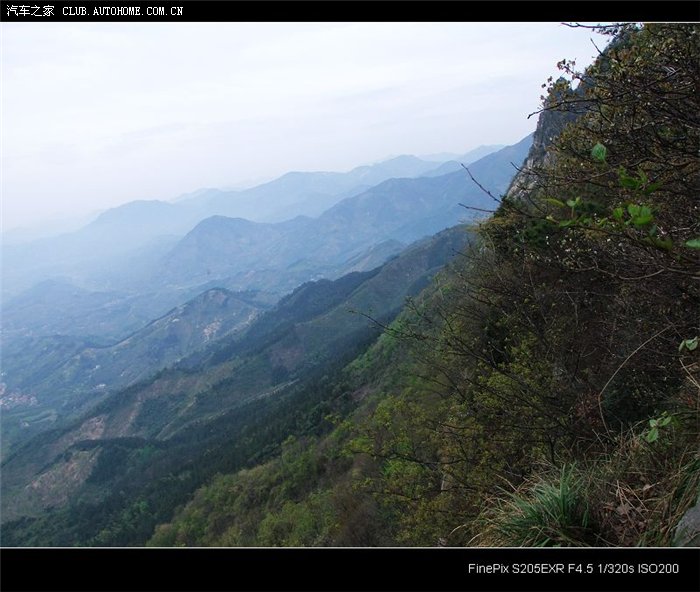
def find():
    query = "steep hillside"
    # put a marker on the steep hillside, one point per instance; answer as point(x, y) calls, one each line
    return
point(58, 376)
point(160, 343)
point(220, 409)
point(545, 390)
point(540, 390)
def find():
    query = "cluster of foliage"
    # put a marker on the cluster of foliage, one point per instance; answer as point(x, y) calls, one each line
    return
point(562, 333)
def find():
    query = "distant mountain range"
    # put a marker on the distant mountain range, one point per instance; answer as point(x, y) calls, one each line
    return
point(367, 362)
point(305, 331)
point(144, 230)
point(302, 193)
point(401, 210)
point(129, 254)
point(70, 340)
point(466, 158)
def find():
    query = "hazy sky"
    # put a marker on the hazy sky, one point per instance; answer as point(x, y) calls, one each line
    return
point(94, 115)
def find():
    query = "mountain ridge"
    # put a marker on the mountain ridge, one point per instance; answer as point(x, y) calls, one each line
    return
point(305, 331)
point(117, 232)
point(403, 210)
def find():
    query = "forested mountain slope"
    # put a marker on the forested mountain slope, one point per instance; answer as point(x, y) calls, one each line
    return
point(146, 448)
point(544, 391)
point(65, 346)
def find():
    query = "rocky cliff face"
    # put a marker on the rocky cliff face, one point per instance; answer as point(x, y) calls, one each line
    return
point(549, 125)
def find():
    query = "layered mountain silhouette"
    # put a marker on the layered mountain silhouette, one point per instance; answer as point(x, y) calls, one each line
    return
point(249, 368)
point(108, 253)
point(401, 210)
point(73, 342)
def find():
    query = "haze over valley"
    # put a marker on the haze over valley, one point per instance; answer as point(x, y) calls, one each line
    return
point(426, 293)
point(103, 312)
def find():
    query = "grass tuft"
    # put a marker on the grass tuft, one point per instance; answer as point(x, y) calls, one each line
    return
point(541, 514)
